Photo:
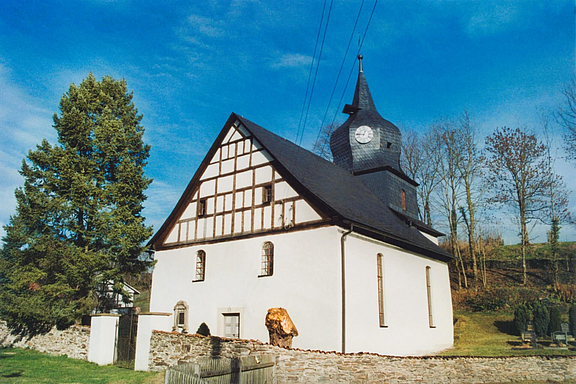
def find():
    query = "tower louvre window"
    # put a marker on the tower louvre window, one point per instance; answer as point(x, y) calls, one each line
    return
point(389, 145)
point(403, 199)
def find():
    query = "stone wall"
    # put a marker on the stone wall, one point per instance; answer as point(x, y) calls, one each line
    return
point(72, 341)
point(299, 366)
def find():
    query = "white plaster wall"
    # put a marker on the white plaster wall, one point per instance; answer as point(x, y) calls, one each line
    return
point(103, 335)
point(405, 296)
point(147, 322)
point(305, 282)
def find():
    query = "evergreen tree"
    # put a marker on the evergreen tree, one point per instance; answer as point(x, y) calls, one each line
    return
point(541, 318)
point(78, 219)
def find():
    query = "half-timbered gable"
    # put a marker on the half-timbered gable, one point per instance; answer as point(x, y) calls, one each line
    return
point(237, 191)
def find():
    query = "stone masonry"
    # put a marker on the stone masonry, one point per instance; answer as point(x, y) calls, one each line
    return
point(304, 366)
point(72, 342)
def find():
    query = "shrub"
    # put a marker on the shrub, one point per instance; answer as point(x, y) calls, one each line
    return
point(541, 318)
point(522, 315)
point(572, 319)
point(489, 300)
point(203, 330)
point(555, 320)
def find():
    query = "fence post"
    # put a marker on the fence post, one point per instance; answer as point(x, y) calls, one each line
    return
point(103, 337)
point(147, 322)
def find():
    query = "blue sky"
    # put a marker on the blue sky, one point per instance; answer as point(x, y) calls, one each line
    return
point(190, 64)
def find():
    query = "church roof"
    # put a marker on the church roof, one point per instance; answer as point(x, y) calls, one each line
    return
point(342, 196)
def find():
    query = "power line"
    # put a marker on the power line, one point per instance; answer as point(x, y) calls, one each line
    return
point(351, 69)
point(340, 71)
point(310, 71)
point(316, 73)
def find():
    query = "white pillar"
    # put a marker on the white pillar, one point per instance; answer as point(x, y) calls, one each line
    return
point(147, 322)
point(103, 337)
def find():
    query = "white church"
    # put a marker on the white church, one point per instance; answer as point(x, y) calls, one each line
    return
point(265, 223)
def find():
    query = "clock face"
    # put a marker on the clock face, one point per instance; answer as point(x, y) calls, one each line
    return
point(364, 134)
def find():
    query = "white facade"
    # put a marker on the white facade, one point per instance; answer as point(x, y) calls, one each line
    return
point(307, 282)
point(210, 261)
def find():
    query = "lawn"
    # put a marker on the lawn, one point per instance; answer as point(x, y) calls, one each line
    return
point(491, 334)
point(28, 366)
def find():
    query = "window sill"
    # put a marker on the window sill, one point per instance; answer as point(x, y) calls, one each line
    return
point(383, 326)
point(197, 281)
point(432, 326)
point(266, 275)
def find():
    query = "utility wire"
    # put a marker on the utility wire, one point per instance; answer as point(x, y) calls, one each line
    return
point(310, 72)
point(316, 73)
point(339, 72)
point(351, 69)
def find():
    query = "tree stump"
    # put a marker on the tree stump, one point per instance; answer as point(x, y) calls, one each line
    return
point(280, 327)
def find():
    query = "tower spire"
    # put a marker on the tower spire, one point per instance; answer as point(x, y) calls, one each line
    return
point(366, 140)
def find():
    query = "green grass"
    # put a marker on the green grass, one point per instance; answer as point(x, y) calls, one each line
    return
point(491, 334)
point(28, 366)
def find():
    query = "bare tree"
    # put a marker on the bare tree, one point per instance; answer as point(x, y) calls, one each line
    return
point(412, 156)
point(449, 189)
point(519, 177)
point(558, 199)
point(566, 116)
point(469, 163)
point(321, 146)
point(429, 172)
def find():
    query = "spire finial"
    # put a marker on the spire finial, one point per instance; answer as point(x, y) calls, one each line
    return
point(360, 57)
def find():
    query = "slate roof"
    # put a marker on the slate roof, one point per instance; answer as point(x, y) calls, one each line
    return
point(341, 195)
point(365, 156)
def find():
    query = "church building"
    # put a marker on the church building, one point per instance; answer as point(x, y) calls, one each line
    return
point(265, 223)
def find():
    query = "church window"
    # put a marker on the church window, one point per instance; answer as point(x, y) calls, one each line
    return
point(200, 265)
point(403, 199)
point(429, 295)
point(267, 266)
point(181, 317)
point(202, 208)
point(267, 194)
point(380, 272)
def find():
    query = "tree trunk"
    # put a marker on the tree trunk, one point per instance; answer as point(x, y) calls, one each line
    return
point(471, 242)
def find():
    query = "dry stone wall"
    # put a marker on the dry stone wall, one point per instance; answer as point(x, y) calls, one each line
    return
point(72, 341)
point(299, 366)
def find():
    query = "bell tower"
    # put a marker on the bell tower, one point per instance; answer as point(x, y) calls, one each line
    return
point(366, 140)
point(369, 147)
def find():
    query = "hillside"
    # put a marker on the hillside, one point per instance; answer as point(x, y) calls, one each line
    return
point(504, 289)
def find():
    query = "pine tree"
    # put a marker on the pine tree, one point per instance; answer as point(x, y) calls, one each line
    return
point(78, 219)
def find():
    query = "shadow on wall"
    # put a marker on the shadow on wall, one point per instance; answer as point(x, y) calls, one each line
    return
point(216, 347)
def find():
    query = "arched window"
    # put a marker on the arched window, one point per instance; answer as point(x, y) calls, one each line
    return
point(267, 266)
point(403, 199)
point(380, 274)
point(200, 265)
point(181, 317)
point(429, 295)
